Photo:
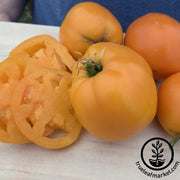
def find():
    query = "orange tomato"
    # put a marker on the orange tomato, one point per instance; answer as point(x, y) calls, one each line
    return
point(169, 105)
point(113, 92)
point(88, 23)
point(157, 38)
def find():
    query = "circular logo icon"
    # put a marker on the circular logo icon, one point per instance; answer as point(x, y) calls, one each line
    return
point(157, 153)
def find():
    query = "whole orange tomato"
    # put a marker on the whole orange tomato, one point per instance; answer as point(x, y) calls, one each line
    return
point(157, 38)
point(169, 105)
point(88, 23)
point(113, 93)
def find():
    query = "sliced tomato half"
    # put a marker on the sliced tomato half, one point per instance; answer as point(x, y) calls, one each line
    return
point(11, 71)
point(41, 101)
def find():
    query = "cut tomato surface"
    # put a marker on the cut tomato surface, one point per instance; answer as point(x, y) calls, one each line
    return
point(46, 51)
point(11, 71)
point(40, 102)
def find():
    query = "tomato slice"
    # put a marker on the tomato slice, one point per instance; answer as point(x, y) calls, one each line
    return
point(41, 99)
point(11, 71)
point(46, 51)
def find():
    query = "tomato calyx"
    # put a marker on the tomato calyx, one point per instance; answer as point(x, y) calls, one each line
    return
point(101, 39)
point(90, 66)
point(174, 140)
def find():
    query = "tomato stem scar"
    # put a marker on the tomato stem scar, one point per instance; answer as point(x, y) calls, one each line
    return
point(101, 39)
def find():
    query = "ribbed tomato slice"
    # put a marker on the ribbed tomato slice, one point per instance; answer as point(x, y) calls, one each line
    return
point(45, 51)
point(11, 71)
point(41, 99)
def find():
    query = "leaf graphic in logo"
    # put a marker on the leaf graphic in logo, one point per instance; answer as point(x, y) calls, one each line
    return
point(160, 145)
point(154, 156)
point(153, 151)
point(161, 150)
point(157, 142)
point(153, 145)
point(157, 155)
point(161, 155)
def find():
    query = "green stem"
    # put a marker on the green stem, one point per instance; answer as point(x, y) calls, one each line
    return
point(174, 140)
point(92, 67)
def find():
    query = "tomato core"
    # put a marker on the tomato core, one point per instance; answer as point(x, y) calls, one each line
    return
point(92, 68)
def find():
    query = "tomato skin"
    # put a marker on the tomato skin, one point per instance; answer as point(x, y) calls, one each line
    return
point(156, 37)
point(120, 100)
point(90, 20)
point(169, 105)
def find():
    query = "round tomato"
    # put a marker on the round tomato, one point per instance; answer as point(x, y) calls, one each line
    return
point(157, 38)
point(113, 93)
point(169, 105)
point(88, 23)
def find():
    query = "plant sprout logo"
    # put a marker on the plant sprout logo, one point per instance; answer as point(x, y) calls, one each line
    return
point(157, 153)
